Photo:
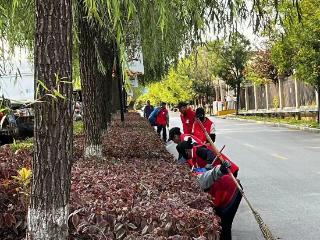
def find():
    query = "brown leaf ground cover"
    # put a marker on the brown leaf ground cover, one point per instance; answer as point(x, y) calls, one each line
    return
point(136, 192)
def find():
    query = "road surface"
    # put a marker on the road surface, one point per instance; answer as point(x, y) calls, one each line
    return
point(280, 172)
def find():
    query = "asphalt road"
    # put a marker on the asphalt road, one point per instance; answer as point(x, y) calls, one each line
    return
point(280, 173)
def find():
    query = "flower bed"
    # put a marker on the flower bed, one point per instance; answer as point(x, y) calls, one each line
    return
point(136, 192)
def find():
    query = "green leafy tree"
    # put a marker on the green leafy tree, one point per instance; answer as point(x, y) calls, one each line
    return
point(175, 86)
point(297, 46)
point(260, 68)
point(233, 59)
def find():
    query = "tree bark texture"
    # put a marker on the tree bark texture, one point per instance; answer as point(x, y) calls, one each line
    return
point(105, 50)
point(90, 83)
point(119, 78)
point(115, 95)
point(53, 139)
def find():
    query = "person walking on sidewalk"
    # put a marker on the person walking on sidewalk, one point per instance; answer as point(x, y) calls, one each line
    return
point(187, 117)
point(148, 110)
point(163, 121)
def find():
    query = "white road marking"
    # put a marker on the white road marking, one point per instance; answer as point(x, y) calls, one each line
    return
point(279, 156)
point(248, 145)
point(312, 195)
point(313, 147)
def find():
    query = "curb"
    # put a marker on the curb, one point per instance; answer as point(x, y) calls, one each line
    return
point(285, 125)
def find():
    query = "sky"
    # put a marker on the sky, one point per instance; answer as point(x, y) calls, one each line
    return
point(17, 83)
point(21, 86)
point(246, 29)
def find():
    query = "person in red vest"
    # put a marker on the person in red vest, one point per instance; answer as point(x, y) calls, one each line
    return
point(202, 156)
point(204, 151)
point(208, 125)
point(225, 195)
point(187, 117)
point(176, 136)
point(162, 121)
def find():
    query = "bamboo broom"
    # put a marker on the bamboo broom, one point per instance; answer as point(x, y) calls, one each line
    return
point(266, 232)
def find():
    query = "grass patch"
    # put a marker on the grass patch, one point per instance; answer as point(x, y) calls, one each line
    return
point(78, 128)
point(288, 120)
point(26, 144)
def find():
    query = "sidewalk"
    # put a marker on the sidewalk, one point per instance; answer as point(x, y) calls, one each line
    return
point(290, 126)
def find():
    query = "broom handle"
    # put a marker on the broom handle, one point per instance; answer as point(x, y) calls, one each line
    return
point(217, 155)
point(230, 173)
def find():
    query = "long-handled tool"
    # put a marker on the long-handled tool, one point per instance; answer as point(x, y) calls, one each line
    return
point(263, 227)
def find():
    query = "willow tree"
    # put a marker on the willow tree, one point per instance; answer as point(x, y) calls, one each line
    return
point(53, 139)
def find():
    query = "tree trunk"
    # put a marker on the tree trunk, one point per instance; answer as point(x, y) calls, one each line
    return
point(120, 91)
point(238, 99)
point(90, 84)
point(53, 140)
point(107, 56)
point(125, 100)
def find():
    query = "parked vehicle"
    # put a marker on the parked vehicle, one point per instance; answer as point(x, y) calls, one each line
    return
point(16, 121)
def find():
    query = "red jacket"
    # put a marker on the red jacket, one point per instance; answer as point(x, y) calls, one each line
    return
point(188, 120)
point(197, 161)
point(223, 191)
point(197, 130)
point(162, 117)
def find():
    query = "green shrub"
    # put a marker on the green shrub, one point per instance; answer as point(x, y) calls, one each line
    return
point(78, 128)
point(22, 145)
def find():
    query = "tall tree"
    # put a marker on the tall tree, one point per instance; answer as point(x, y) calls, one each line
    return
point(234, 56)
point(297, 47)
point(106, 56)
point(53, 141)
point(260, 68)
point(90, 82)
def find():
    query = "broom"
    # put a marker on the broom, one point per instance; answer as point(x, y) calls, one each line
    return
point(266, 232)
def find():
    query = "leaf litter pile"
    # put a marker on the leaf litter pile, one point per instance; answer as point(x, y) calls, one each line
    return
point(136, 192)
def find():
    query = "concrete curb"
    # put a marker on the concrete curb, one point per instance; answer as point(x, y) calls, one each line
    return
point(285, 125)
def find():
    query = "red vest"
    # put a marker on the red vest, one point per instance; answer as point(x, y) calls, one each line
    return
point(201, 163)
point(197, 161)
point(188, 120)
point(162, 117)
point(184, 137)
point(234, 167)
point(197, 130)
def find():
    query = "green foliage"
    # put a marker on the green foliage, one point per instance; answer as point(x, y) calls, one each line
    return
point(202, 69)
point(297, 46)
point(78, 128)
point(17, 22)
point(175, 87)
point(22, 145)
point(276, 102)
point(233, 59)
point(260, 69)
point(304, 122)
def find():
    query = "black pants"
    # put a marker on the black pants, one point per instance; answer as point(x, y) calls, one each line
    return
point(162, 128)
point(227, 215)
